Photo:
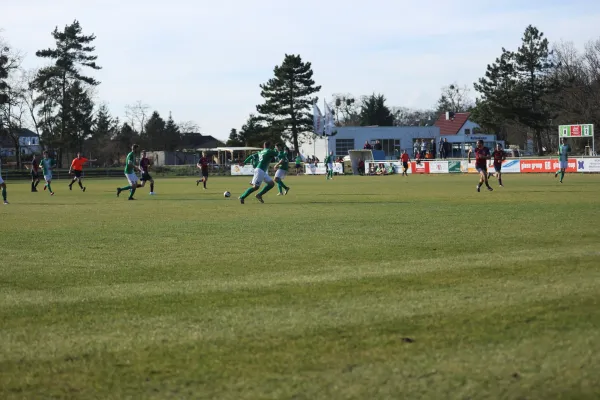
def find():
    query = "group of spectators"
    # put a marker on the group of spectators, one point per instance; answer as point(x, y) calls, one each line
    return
point(376, 146)
point(427, 149)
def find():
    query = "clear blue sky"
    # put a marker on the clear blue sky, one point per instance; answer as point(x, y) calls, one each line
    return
point(203, 60)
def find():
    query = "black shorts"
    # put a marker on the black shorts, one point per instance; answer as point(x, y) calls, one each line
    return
point(481, 168)
point(405, 165)
point(205, 173)
point(34, 174)
point(298, 166)
point(77, 173)
point(145, 177)
point(497, 167)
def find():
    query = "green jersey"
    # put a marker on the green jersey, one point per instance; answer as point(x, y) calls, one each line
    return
point(130, 163)
point(253, 159)
point(563, 151)
point(285, 163)
point(264, 159)
point(47, 164)
point(328, 159)
point(298, 160)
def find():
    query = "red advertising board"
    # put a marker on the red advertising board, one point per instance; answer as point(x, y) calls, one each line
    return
point(422, 168)
point(546, 165)
point(575, 130)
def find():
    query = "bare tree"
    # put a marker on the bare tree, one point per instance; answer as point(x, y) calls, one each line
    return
point(454, 98)
point(137, 115)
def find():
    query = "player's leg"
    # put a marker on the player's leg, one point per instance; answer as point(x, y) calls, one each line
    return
point(257, 179)
point(3, 186)
point(33, 182)
point(49, 184)
point(80, 182)
point(269, 185)
point(486, 181)
point(124, 188)
point(499, 175)
point(563, 167)
point(151, 185)
point(204, 179)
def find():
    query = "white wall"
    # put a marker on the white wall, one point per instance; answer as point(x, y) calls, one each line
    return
point(316, 147)
point(470, 125)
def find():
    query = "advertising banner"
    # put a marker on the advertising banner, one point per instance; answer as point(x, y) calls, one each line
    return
point(453, 167)
point(438, 167)
point(371, 167)
point(422, 168)
point(588, 164)
point(242, 170)
point(508, 167)
point(546, 166)
point(319, 169)
point(468, 167)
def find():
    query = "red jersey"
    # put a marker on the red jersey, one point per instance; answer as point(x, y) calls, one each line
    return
point(498, 156)
point(481, 155)
point(77, 164)
point(203, 163)
point(144, 164)
point(405, 158)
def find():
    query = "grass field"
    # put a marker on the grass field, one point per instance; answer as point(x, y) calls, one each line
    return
point(357, 288)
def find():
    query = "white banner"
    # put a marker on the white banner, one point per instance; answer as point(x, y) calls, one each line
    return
point(319, 169)
point(588, 165)
point(397, 166)
point(438, 167)
point(242, 170)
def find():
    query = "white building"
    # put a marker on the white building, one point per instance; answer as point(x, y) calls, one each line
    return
point(393, 140)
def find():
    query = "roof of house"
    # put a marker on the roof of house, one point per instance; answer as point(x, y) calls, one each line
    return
point(452, 126)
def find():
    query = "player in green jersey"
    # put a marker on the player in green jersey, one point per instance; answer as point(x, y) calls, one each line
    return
point(130, 168)
point(261, 173)
point(329, 165)
point(281, 169)
point(47, 164)
point(298, 164)
point(563, 158)
point(252, 160)
point(2, 185)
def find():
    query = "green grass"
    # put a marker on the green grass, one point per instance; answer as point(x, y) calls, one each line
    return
point(309, 296)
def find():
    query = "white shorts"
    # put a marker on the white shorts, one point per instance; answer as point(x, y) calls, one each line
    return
point(132, 178)
point(1, 180)
point(564, 164)
point(281, 174)
point(330, 166)
point(48, 177)
point(260, 176)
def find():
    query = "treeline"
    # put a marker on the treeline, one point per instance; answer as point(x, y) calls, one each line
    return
point(58, 103)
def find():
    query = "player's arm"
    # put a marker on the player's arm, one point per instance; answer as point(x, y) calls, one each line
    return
point(248, 160)
point(469, 155)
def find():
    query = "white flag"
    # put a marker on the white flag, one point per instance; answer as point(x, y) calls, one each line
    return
point(329, 122)
point(317, 120)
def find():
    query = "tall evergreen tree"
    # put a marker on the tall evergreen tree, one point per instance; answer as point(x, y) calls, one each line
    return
point(154, 132)
point(519, 85)
point(4, 67)
point(234, 139)
point(172, 135)
point(374, 111)
point(125, 137)
point(72, 52)
point(288, 101)
point(80, 116)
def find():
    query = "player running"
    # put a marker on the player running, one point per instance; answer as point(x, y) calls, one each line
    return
point(144, 165)
point(329, 165)
point(405, 159)
point(498, 156)
point(77, 170)
point(47, 164)
point(563, 158)
point(482, 155)
point(132, 178)
point(298, 164)
point(3, 185)
point(261, 173)
point(35, 173)
point(203, 166)
point(282, 168)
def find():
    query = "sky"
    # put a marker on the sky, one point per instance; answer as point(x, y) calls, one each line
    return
point(203, 61)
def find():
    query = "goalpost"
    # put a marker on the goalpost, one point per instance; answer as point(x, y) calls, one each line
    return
point(578, 131)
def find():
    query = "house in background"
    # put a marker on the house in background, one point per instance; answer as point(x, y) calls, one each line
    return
point(29, 143)
point(461, 133)
point(456, 124)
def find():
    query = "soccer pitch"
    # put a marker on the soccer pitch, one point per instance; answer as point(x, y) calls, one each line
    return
point(356, 288)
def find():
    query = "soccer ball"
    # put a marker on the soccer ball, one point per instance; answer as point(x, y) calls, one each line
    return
point(227, 194)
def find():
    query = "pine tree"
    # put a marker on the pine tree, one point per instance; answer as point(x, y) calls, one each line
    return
point(154, 132)
point(234, 139)
point(519, 84)
point(73, 51)
point(287, 106)
point(172, 135)
point(373, 111)
point(125, 137)
point(80, 116)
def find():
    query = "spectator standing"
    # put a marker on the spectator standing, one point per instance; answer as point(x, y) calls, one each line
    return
point(433, 149)
point(423, 148)
point(367, 145)
point(378, 145)
point(441, 148)
point(416, 147)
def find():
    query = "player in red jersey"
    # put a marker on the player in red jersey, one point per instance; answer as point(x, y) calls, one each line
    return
point(498, 156)
point(482, 155)
point(405, 158)
point(146, 177)
point(203, 166)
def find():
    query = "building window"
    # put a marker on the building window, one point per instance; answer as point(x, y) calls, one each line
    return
point(342, 146)
point(467, 131)
point(390, 147)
